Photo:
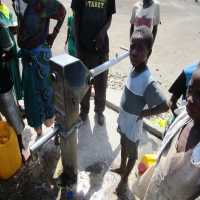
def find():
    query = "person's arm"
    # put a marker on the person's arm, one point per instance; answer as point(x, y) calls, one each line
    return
point(100, 38)
point(154, 32)
point(6, 45)
point(57, 12)
point(131, 30)
point(164, 107)
point(132, 21)
point(156, 21)
point(101, 35)
point(155, 100)
point(173, 102)
point(177, 89)
point(107, 25)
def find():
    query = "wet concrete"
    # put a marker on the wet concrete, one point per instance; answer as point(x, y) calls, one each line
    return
point(98, 151)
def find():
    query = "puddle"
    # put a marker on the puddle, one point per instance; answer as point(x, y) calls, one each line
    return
point(98, 150)
point(99, 183)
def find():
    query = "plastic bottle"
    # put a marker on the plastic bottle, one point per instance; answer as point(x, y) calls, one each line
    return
point(70, 194)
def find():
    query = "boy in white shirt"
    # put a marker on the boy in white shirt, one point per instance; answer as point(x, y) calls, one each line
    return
point(141, 98)
point(145, 13)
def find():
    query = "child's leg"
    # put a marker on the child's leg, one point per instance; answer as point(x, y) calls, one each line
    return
point(124, 157)
point(128, 169)
point(132, 157)
point(121, 188)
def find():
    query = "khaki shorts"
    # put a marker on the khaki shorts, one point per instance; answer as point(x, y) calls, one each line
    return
point(130, 147)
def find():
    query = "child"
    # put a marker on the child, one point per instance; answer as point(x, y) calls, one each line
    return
point(146, 13)
point(36, 42)
point(179, 87)
point(177, 172)
point(140, 90)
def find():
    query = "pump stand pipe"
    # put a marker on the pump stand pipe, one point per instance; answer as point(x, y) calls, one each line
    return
point(106, 65)
point(53, 132)
point(57, 128)
point(44, 139)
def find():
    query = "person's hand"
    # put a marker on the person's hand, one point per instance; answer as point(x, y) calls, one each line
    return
point(173, 106)
point(50, 39)
point(144, 113)
point(100, 41)
point(13, 29)
point(5, 57)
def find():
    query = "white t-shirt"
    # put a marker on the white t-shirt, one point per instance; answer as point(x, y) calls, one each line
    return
point(140, 90)
point(148, 17)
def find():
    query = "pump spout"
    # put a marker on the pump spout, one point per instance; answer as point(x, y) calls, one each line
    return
point(106, 65)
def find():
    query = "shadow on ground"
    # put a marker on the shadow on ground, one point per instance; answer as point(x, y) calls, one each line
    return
point(35, 179)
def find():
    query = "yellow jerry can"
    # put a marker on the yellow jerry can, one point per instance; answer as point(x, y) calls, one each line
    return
point(147, 161)
point(10, 156)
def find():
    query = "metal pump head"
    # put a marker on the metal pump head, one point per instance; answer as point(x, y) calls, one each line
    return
point(70, 71)
point(70, 82)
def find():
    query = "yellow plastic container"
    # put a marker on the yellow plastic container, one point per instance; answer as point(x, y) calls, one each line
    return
point(10, 157)
point(149, 159)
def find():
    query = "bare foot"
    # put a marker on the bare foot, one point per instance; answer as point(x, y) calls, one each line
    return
point(118, 171)
point(26, 154)
point(49, 122)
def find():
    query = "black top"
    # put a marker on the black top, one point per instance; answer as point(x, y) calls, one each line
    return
point(34, 22)
point(93, 15)
point(5, 44)
point(179, 87)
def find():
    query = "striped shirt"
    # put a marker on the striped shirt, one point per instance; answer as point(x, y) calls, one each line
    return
point(140, 90)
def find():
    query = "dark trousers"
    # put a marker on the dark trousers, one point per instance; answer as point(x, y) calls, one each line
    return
point(92, 60)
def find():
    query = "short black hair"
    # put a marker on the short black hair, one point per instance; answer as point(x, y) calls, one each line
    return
point(145, 34)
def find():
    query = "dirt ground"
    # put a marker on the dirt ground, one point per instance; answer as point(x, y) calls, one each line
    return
point(177, 41)
point(98, 151)
point(176, 45)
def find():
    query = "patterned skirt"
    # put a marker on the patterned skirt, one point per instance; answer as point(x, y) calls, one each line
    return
point(38, 92)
